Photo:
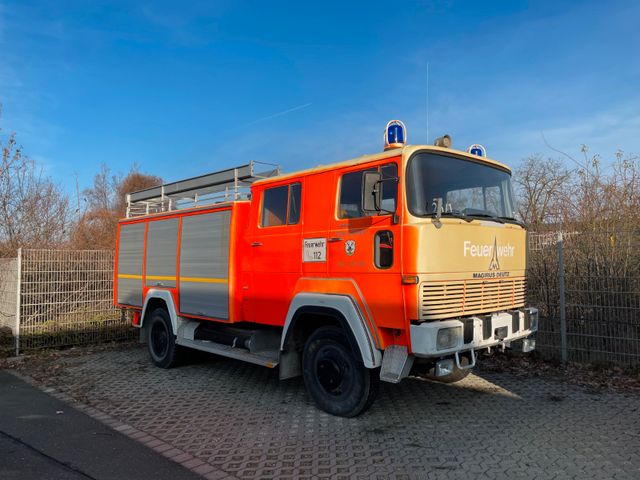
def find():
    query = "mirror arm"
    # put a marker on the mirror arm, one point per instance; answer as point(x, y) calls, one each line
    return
point(380, 209)
point(377, 192)
point(437, 202)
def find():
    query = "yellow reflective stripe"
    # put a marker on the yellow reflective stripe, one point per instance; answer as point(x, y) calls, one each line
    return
point(159, 277)
point(204, 280)
point(182, 279)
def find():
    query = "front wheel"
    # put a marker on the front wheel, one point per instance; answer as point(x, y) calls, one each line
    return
point(163, 350)
point(335, 377)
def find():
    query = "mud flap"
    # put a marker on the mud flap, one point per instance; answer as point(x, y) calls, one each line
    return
point(396, 364)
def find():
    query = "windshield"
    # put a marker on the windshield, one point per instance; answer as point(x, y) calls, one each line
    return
point(465, 187)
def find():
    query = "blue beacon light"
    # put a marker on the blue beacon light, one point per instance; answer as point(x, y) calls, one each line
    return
point(477, 150)
point(395, 135)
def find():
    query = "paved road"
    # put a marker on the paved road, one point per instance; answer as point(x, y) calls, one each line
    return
point(240, 420)
point(44, 438)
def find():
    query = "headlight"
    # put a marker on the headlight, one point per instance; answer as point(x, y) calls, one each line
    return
point(448, 337)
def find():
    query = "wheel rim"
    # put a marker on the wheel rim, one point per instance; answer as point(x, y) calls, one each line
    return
point(159, 339)
point(333, 371)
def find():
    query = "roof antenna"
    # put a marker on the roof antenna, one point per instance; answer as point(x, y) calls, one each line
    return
point(428, 103)
point(77, 195)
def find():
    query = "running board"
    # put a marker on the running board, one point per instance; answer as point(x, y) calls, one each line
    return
point(266, 358)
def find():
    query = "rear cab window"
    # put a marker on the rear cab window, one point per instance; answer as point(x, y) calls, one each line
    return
point(281, 205)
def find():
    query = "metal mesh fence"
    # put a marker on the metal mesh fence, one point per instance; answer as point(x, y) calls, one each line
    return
point(8, 302)
point(66, 299)
point(8, 286)
point(601, 295)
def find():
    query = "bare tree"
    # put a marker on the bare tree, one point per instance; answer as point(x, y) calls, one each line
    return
point(542, 186)
point(604, 200)
point(33, 209)
point(105, 205)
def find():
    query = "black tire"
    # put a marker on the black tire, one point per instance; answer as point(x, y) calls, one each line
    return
point(457, 374)
point(336, 379)
point(161, 342)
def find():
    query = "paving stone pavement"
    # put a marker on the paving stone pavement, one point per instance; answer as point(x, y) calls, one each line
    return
point(239, 419)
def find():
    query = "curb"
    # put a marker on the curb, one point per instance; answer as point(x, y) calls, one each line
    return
point(167, 450)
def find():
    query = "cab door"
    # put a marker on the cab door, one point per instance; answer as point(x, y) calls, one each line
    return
point(275, 251)
point(365, 246)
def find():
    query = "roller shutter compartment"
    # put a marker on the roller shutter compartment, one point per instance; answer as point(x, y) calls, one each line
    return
point(204, 265)
point(162, 244)
point(130, 253)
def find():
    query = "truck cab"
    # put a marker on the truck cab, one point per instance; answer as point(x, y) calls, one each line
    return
point(436, 260)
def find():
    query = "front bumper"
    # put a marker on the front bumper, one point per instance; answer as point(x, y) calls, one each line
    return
point(473, 333)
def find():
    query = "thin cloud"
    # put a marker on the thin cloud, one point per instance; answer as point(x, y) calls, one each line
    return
point(604, 132)
point(279, 114)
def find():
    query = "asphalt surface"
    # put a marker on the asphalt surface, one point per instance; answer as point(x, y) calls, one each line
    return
point(44, 438)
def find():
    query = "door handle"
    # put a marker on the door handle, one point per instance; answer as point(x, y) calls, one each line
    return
point(335, 239)
point(256, 244)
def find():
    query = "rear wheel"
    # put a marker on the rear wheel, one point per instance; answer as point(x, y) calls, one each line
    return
point(335, 377)
point(163, 350)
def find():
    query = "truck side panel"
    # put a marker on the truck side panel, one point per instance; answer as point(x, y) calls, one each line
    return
point(204, 265)
point(162, 242)
point(130, 256)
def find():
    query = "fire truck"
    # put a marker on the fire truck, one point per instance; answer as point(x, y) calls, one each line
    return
point(406, 261)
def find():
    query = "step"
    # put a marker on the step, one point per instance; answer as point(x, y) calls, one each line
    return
point(266, 358)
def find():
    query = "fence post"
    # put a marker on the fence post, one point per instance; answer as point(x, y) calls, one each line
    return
point(18, 297)
point(563, 312)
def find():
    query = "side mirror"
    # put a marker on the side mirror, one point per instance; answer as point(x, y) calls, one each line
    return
point(371, 188)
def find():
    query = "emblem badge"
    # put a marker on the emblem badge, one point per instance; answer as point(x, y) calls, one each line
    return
point(494, 264)
point(350, 247)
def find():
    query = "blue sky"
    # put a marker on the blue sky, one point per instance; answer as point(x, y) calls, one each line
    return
point(184, 88)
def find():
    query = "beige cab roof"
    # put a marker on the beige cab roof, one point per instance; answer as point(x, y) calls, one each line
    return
point(405, 151)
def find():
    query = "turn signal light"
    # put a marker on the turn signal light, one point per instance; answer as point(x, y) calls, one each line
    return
point(410, 279)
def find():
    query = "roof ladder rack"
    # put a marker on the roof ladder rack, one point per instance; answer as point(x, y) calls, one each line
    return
point(217, 187)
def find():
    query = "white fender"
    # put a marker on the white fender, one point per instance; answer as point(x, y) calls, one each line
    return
point(371, 356)
point(168, 299)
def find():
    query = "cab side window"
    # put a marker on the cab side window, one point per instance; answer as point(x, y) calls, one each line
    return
point(383, 249)
point(351, 192)
point(281, 205)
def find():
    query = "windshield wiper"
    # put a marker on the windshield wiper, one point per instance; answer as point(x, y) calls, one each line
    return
point(487, 215)
point(459, 215)
point(513, 220)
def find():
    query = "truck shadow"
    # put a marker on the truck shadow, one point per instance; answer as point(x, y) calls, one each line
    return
point(477, 389)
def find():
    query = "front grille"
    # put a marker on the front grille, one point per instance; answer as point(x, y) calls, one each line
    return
point(470, 297)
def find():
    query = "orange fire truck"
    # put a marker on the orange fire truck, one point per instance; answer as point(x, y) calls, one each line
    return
point(408, 260)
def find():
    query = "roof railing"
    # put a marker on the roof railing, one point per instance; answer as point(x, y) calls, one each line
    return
point(216, 187)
